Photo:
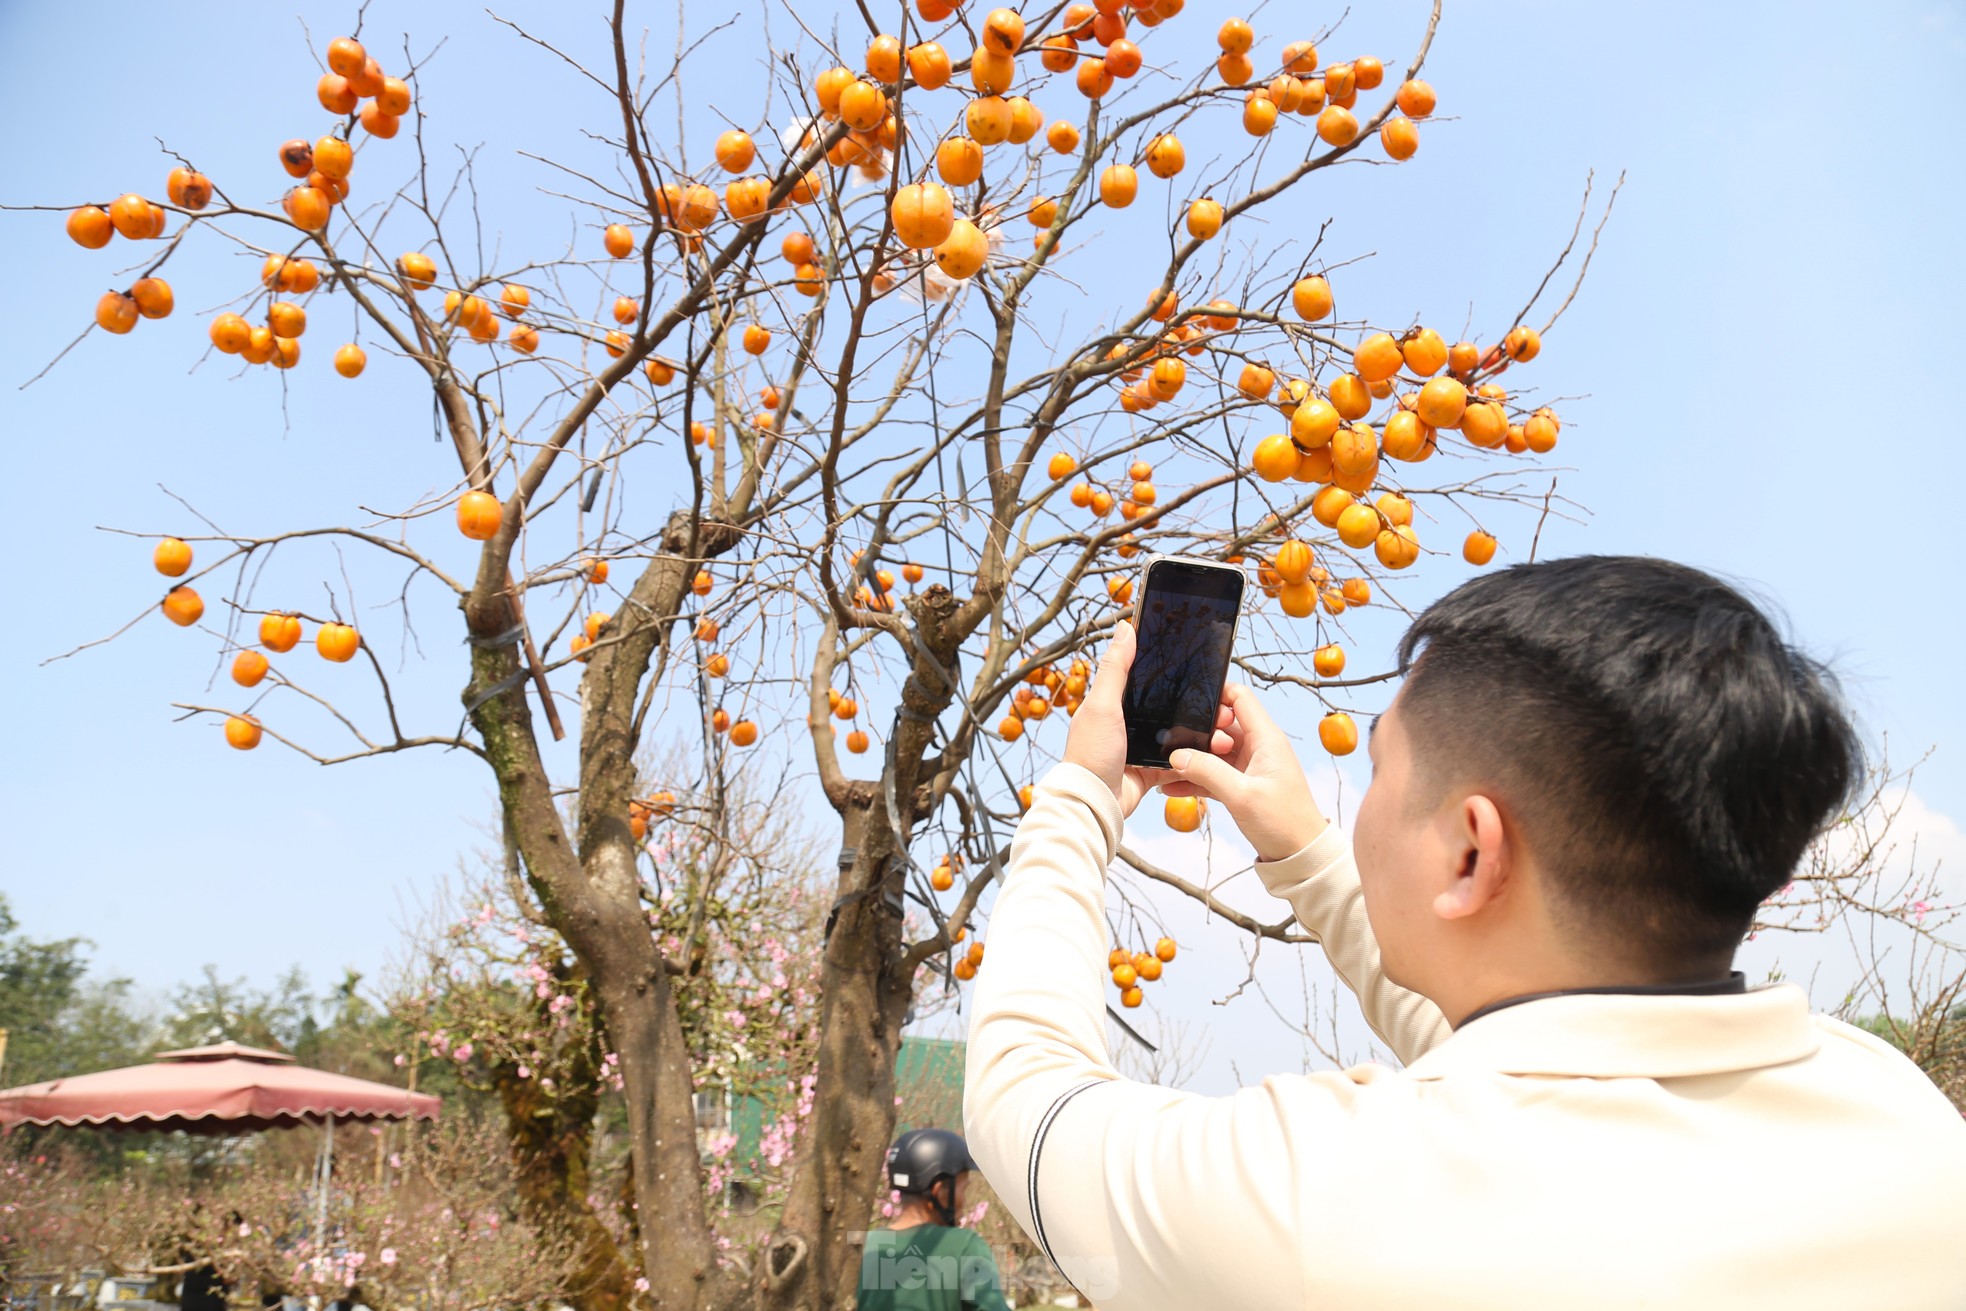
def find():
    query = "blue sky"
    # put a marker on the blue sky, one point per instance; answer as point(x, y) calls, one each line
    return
point(1768, 319)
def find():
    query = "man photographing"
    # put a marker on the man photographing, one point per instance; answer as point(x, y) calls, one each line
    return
point(1595, 771)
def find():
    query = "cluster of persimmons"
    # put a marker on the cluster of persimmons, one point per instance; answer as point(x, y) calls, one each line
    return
point(1329, 437)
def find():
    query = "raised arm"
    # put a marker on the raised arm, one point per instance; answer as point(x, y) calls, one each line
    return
point(1108, 1176)
point(1304, 859)
point(1321, 884)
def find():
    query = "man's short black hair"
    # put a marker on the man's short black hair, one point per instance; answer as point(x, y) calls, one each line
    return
point(1667, 755)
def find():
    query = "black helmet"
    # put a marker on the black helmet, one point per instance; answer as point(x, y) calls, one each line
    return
point(921, 1156)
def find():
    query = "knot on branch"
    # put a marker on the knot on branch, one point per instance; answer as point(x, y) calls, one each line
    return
point(783, 1260)
point(713, 536)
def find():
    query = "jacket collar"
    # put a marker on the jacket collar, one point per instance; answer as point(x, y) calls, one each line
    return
point(1626, 1035)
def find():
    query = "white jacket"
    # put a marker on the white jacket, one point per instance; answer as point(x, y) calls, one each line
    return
point(1600, 1151)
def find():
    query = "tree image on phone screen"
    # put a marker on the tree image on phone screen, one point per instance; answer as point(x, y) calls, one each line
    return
point(1187, 622)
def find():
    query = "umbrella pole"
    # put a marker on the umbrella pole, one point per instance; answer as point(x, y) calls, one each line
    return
point(327, 1171)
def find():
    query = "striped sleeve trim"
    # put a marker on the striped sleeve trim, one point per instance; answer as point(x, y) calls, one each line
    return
point(1037, 1146)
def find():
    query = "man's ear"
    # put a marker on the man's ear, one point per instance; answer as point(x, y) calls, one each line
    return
point(1485, 859)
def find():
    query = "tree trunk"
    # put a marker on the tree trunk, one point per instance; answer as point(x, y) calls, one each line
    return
point(550, 1136)
point(813, 1261)
point(593, 898)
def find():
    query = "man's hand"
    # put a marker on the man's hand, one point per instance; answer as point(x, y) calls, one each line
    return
point(1098, 737)
point(1257, 777)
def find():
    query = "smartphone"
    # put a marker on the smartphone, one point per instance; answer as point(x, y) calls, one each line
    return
point(1186, 625)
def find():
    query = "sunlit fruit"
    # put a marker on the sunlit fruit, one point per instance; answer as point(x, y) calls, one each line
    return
point(350, 360)
point(1415, 99)
point(337, 642)
point(1292, 562)
point(1479, 548)
point(1311, 298)
point(1275, 458)
point(1118, 185)
point(90, 227)
point(418, 269)
point(618, 240)
point(308, 207)
point(1025, 120)
point(279, 632)
point(1259, 115)
point(1357, 525)
point(1376, 357)
point(1397, 547)
point(1003, 31)
point(1183, 814)
point(1256, 382)
point(116, 312)
point(928, 64)
point(991, 73)
point(1314, 423)
point(1338, 734)
point(958, 162)
point(1204, 219)
point(242, 732)
point(1166, 156)
point(1539, 432)
point(1399, 138)
point(1424, 351)
point(964, 252)
point(923, 215)
point(1336, 126)
point(735, 151)
point(1062, 137)
point(183, 606)
point(172, 557)
point(479, 515)
point(1328, 660)
point(1441, 403)
point(1485, 424)
point(988, 120)
point(1350, 396)
point(248, 667)
point(1523, 343)
point(743, 733)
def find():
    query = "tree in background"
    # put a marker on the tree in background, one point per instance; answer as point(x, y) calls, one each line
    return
point(432, 1225)
point(58, 1021)
point(829, 378)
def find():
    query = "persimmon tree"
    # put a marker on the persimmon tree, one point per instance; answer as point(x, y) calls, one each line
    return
point(841, 346)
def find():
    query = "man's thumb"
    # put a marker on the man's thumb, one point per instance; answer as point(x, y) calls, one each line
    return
point(1210, 773)
point(1109, 679)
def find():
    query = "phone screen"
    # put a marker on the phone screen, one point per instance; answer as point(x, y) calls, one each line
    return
point(1187, 624)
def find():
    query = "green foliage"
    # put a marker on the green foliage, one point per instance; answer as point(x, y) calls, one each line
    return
point(58, 1021)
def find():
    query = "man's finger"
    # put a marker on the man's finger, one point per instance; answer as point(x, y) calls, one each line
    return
point(1258, 728)
point(1109, 680)
point(1215, 776)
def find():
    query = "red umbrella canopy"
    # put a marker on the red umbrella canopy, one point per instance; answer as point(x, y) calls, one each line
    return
point(218, 1090)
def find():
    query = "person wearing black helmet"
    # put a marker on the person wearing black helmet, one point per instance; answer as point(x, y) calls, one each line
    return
point(924, 1260)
